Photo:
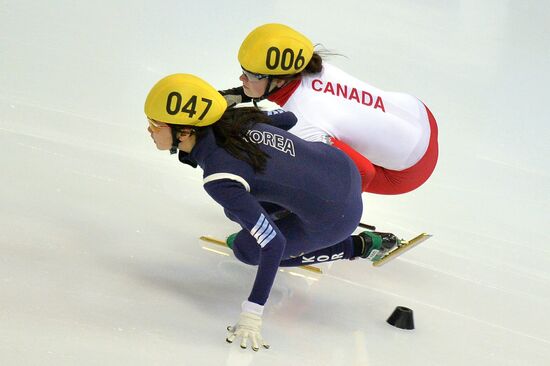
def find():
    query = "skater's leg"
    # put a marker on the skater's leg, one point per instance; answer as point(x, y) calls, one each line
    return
point(245, 247)
point(342, 250)
point(368, 244)
point(332, 241)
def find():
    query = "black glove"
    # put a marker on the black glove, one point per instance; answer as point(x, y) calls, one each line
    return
point(235, 96)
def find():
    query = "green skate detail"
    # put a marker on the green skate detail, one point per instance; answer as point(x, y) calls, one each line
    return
point(377, 244)
point(374, 253)
point(230, 240)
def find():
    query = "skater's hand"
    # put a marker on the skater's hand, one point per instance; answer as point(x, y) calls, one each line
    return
point(235, 96)
point(232, 100)
point(248, 327)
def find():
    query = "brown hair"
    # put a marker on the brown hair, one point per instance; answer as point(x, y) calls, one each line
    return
point(314, 66)
point(230, 132)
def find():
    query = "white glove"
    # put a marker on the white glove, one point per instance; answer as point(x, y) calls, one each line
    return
point(233, 100)
point(235, 96)
point(248, 326)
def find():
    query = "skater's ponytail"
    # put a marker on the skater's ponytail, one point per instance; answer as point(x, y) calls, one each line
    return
point(231, 134)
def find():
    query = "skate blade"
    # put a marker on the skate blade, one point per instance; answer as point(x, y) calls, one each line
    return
point(213, 240)
point(405, 245)
point(223, 244)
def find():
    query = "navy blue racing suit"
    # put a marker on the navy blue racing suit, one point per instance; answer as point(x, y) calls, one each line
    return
point(317, 185)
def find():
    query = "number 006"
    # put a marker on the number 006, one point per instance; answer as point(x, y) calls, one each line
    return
point(285, 59)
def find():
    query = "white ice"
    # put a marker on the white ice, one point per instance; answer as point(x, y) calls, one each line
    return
point(100, 262)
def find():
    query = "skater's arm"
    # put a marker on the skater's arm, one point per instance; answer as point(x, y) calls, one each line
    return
point(282, 119)
point(235, 96)
point(234, 197)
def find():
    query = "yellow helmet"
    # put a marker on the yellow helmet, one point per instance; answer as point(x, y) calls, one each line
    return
point(184, 99)
point(275, 49)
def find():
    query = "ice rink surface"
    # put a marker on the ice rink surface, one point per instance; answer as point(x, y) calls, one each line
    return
point(100, 259)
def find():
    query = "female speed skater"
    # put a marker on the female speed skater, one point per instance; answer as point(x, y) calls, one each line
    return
point(251, 165)
point(391, 137)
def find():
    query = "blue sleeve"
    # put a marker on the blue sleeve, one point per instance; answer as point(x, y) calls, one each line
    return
point(242, 206)
point(281, 119)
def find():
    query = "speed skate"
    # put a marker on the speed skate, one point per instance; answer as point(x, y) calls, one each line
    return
point(402, 247)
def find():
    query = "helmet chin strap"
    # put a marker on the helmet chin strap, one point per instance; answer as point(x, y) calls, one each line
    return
point(267, 92)
point(177, 132)
point(175, 140)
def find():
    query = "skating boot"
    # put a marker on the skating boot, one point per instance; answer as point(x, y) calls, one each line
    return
point(377, 245)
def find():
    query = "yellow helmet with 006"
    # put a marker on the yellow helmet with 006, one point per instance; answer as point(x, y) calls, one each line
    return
point(184, 99)
point(275, 49)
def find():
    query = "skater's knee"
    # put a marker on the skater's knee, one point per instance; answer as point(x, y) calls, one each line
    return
point(246, 253)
